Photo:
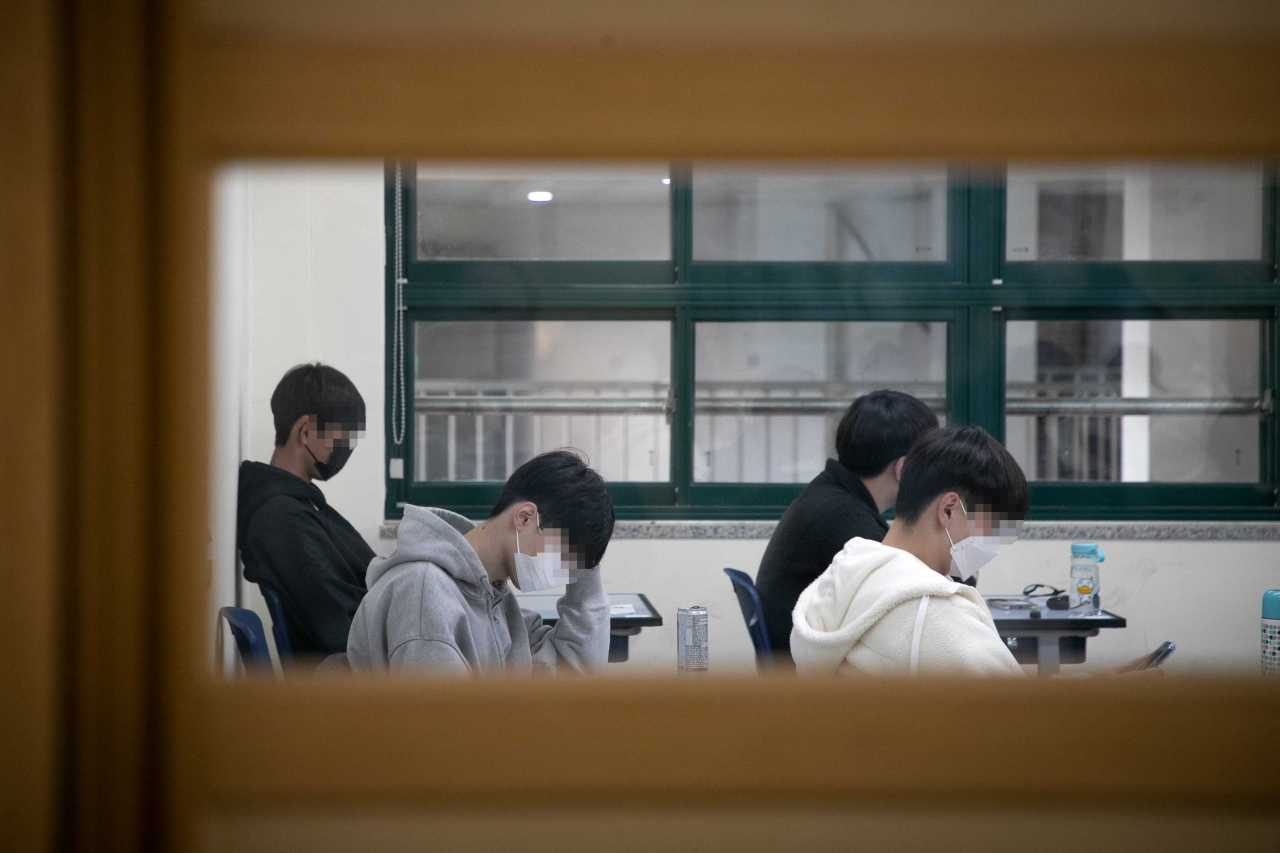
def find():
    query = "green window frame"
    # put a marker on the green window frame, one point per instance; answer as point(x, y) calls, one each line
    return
point(975, 291)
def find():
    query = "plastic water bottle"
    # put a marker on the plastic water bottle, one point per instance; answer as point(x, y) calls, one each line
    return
point(1086, 594)
point(1271, 632)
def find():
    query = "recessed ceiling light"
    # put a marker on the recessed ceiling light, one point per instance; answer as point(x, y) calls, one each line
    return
point(539, 196)
point(666, 180)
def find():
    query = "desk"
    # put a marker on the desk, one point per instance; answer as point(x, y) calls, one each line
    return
point(1057, 637)
point(629, 612)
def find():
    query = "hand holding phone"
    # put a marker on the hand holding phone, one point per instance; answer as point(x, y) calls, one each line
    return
point(1159, 656)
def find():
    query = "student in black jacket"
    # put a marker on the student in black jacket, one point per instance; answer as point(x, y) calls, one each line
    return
point(290, 539)
point(845, 500)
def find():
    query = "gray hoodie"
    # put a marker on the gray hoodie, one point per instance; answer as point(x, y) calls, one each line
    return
point(431, 608)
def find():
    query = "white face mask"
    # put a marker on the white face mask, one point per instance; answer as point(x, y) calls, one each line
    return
point(971, 554)
point(544, 571)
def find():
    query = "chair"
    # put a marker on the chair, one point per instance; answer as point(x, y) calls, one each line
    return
point(251, 640)
point(752, 612)
point(279, 628)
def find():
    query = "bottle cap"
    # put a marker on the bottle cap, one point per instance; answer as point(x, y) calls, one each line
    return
point(1088, 549)
point(1271, 604)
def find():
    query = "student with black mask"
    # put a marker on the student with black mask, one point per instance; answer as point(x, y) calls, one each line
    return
point(290, 539)
point(846, 500)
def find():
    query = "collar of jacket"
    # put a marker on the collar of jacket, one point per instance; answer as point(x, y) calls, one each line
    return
point(850, 482)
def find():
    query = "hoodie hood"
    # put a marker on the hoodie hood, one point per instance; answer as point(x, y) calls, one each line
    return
point(865, 581)
point(260, 483)
point(432, 535)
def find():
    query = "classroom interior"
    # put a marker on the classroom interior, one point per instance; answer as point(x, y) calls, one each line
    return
point(303, 258)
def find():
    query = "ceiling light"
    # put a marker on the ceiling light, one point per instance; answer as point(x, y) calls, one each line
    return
point(539, 196)
point(666, 180)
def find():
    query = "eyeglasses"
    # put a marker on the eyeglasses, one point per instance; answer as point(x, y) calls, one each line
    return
point(1025, 603)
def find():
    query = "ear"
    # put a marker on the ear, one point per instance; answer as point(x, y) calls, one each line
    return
point(526, 514)
point(897, 468)
point(302, 423)
point(948, 506)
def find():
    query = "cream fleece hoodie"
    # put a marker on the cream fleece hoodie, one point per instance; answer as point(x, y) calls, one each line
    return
point(879, 610)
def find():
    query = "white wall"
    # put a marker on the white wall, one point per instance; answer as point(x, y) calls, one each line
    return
point(229, 311)
point(300, 277)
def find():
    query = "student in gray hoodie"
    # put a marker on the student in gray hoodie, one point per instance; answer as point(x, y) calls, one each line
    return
point(442, 604)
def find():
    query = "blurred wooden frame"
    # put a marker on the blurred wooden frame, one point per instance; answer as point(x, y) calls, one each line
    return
point(155, 96)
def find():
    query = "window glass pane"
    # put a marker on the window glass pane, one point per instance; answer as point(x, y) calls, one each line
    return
point(533, 212)
point(489, 396)
point(881, 214)
point(768, 396)
point(1134, 400)
point(1134, 212)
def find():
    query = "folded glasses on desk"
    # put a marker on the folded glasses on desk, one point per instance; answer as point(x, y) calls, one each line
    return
point(1011, 602)
point(1033, 596)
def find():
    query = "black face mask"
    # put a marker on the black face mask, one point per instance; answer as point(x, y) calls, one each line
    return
point(341, 453)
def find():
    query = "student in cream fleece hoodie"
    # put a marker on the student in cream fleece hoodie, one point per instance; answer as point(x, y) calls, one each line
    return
point(442, 604)
point(893, 607)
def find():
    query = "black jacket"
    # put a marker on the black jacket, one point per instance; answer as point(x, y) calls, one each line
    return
point(292, 541)
point(834, 508)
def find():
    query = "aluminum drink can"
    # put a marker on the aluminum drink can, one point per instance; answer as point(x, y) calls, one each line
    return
point(1271, 632)
point(691, 641)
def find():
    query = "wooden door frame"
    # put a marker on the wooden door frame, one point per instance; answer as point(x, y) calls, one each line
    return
point(163, 93)
point(35, 375)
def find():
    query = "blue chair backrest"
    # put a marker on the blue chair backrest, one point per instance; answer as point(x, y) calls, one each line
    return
point(246, 627)
point(752, 611)
point(279, 628)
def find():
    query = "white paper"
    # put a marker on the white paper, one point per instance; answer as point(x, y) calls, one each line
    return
point(621, 609)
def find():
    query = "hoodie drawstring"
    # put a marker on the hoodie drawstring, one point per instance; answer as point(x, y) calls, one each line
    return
point(915, 635)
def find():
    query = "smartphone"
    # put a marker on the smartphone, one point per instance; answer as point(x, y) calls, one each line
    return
point(1159, 656)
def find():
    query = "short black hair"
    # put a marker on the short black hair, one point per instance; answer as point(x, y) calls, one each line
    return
point(878, 428)
point(966, 460)
point(569, 495)
point(315, 389)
